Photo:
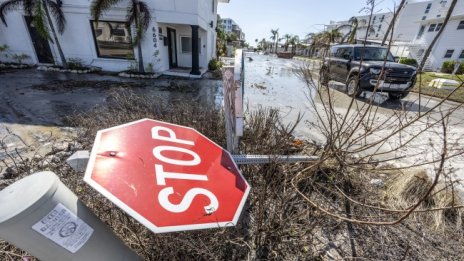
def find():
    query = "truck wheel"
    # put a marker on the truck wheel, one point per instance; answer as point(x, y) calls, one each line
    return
point(397, 96)
point(352, 86)
point(324, 76)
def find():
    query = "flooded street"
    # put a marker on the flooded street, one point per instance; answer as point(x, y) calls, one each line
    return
point(272, 82)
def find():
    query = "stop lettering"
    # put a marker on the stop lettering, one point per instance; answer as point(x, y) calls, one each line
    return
point(168, 177)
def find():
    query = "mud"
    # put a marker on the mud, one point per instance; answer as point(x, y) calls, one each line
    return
point(35, 103)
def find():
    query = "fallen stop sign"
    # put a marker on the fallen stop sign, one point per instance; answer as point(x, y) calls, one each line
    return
point(168, 177)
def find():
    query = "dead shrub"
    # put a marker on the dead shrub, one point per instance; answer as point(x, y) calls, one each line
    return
point(275, 224)
point(443, 202)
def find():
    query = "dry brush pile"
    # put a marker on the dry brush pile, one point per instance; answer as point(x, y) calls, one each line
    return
point(279, 220)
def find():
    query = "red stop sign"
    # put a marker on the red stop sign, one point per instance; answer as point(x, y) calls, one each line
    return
point(168, 177)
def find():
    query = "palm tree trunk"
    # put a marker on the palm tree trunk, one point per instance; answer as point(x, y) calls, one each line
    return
point(139, 44)
point(55, 37)
point(276, 44)
point(432, 44)
point(393, 21)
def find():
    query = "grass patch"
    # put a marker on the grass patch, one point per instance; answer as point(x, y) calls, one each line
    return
point(426, 77)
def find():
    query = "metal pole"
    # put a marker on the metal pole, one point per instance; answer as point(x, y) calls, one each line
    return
point(40, 215)
point(78, 161)
point(265, 159)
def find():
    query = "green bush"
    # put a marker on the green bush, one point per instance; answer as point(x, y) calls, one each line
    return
point(19, 58)
point(4, 50)
point(76, 64)
point(214, 64)
point(448, 67)
point(408, 61)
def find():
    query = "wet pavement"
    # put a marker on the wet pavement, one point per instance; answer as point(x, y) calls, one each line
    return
point(21, 102)
point(272, 82)
point(32, 104)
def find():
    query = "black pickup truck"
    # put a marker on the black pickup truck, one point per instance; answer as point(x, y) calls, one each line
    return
point(367, 68)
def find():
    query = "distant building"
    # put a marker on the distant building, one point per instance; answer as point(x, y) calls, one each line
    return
point(231, 27)
point(375, 30)
point(417, 24)
point(430, 16)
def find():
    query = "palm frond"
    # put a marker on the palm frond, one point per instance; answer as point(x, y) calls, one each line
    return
point(28, 6)
point(139, 14)
point(8, 6)
point(145, 17)
point(131, 14)
point(39, 22)
point(97, 7)
point(138, 35)
point(58, 14)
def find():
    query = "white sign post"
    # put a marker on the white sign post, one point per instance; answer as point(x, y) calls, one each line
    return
point(40, 215)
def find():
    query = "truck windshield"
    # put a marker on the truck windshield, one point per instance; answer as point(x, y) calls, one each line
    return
point(372, 54)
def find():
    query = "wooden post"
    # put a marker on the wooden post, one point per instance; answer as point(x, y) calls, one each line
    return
point(233, 78)
point(229, 111)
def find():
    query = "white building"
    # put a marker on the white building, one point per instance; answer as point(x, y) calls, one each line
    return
point(230, 26)
point(167, 45)
point(430, 16)
point(373, 31)
point(417, 24)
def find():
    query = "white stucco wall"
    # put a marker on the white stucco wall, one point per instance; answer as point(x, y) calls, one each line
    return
point(408, 23)
point(16, 36)
point(451, 38)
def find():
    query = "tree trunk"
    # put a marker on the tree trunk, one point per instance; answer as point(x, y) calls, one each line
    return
point(276, 45)
point(139, 44)
point(55, 37)
point(393, 21)
point(353, 33)
point(432, 44)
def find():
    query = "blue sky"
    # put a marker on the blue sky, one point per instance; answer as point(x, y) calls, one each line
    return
point(298, 17)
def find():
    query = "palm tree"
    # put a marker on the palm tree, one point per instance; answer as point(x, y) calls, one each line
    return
point(294, 41)
point(316, 41)
point(138, 14)
point(263, 44)
point(39, 11)
point(287, 41)
point(333, 36)
point(393, 21)
point(275, 37)
point(221, 41)
point(354, 23)
point(231, 37)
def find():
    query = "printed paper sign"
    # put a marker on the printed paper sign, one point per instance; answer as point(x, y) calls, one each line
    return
point(64, 228)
